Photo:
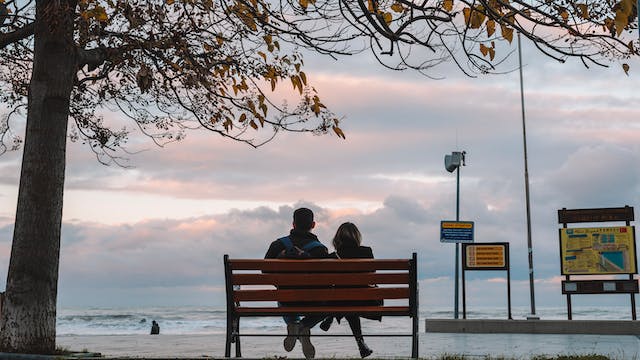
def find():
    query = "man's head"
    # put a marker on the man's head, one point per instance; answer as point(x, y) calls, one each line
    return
point(303, 219)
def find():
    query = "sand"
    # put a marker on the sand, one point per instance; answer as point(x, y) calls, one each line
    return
point(520, 346)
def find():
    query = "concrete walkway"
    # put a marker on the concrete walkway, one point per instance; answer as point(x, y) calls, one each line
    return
point(490, 326)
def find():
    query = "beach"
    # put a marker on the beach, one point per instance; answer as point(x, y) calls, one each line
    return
point(521, 346)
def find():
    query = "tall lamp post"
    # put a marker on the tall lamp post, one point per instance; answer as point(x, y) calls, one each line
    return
point(526, 187)
point(453, 162)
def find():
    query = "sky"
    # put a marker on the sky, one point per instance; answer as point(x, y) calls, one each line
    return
point(155, 234)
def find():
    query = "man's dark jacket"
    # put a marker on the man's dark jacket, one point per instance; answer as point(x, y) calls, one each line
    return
point(299, 239)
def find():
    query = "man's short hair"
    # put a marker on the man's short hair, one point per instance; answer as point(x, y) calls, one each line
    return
point(303, 219)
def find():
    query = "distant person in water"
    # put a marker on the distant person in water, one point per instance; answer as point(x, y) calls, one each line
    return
point(347, 244)
point(155, 328)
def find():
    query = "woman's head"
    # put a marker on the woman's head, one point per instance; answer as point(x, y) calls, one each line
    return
point(347, 235)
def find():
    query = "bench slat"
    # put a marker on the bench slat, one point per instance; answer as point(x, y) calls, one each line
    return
point(303, 310)
point(329, 294)
point(320, 279)
point(319, 265)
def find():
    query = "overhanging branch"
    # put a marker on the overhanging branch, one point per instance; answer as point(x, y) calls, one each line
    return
point(17, 35)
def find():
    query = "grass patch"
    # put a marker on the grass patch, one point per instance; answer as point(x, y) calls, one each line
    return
point(537, 357)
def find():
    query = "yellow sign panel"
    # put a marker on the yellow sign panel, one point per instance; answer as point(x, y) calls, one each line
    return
point(456, 224)
point(599, 250)
point(485, 256)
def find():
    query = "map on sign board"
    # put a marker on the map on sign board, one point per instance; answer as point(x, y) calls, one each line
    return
point(599, 250)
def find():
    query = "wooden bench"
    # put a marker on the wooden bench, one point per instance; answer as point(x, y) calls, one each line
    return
point(252, 287)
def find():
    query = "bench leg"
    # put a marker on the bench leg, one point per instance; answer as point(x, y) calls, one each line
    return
point(414, 339)
point(229, 337)
point(236, 331)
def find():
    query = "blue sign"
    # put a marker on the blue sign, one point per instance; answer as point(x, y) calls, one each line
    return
point(456, 231)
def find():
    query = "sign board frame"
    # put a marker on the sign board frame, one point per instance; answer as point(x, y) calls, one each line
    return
point(452, 231)
point(594, 215)
point(505, 256)
point(506, 267)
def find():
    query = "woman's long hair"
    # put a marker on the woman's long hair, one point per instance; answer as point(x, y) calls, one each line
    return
point(347, 236)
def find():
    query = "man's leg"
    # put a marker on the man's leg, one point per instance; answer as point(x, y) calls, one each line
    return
point(306, 324)
point(293, 329)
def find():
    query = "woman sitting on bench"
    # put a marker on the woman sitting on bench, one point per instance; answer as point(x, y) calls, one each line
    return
point(347, 244)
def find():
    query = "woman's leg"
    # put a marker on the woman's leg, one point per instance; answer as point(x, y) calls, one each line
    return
point(356, 329)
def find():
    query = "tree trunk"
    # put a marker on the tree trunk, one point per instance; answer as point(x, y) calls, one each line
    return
point(28, 319)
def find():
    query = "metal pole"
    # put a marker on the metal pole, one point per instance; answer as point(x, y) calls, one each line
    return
point(526, 184)
point(455, 313)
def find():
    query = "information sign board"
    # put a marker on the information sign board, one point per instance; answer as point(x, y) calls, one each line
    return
point(598, 250)
point(456, 231)
point(485, 256)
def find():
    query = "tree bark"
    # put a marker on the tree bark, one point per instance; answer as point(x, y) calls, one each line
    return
point(28, 319)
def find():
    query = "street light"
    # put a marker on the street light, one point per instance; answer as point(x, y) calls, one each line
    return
point(532, 296)
point(453, 162)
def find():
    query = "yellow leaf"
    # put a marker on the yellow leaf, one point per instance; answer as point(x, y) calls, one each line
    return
point(303, 3)
point(625, 67)
point(303, 76)
point(491, 27)
point(339, 132)
point(387, 18)
point(565, 15)
point(170, 2)
point(492, 53)
point(474, 18)
point(397, 7)
point(262, 55)
point(253, 125)
point(267, 39)
point(483, 49)
point(447, 5)
point(608, 24)
point(467, 15)
point(507, 33)
point(584, 11)
point(621, 22)
point(99, 13)
point(243, 117)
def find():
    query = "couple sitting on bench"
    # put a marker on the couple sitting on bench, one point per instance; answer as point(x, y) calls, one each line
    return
point(300, 244)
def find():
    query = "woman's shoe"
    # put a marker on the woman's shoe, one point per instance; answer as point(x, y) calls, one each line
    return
point(364, 349)
point(326, 323)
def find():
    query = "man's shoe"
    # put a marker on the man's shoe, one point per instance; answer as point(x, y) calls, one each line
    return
point(307, 347)
point(326, 323)
point(292, 334)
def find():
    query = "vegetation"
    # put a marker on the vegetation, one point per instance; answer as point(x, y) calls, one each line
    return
point(215, 65)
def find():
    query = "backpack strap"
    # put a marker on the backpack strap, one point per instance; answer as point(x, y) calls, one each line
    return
point(312, 245)
point(288, 245)
point(286, 242)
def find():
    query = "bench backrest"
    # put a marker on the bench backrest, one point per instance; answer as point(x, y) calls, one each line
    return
point(335, 281)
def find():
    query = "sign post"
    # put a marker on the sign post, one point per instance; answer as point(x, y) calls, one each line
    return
point(604, 250)
point(486, 256)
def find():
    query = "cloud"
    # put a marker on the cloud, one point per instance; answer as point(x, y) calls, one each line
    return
point(157, 232)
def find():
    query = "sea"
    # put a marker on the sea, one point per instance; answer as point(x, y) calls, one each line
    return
point(187, 320)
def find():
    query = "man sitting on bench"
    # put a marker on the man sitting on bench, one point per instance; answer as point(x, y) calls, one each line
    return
point(300, 244)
